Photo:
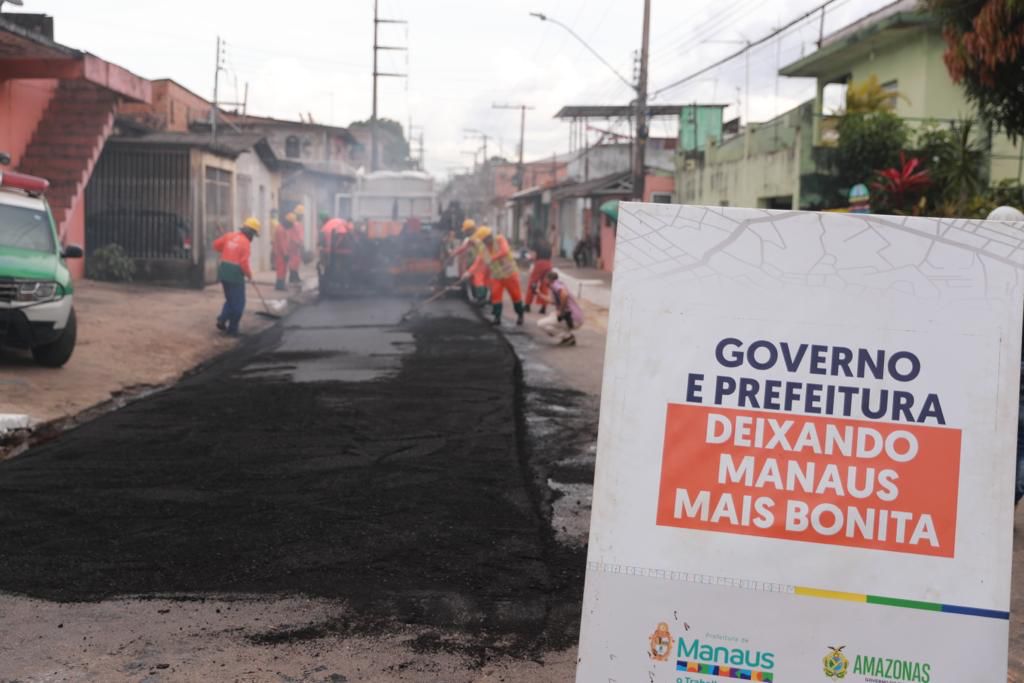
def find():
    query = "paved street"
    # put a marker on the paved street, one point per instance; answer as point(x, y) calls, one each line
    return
point(347, 491)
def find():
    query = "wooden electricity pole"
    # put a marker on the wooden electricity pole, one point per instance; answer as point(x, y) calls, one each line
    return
point(377, 47)
point(640, 148)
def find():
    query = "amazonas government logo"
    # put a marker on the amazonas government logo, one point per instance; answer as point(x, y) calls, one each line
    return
point(836, 663)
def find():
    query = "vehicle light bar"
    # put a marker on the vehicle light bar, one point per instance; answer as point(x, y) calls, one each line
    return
point(23, 181)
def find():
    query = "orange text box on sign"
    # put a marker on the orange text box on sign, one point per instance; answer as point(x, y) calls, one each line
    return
point(811, 478)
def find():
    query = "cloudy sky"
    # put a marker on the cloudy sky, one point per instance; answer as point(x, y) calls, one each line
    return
point(464, 56)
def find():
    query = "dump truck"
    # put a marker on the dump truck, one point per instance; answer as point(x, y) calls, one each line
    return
point(392, 244)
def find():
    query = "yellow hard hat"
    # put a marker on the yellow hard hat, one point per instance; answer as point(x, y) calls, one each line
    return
point(300, 210)
point(468, 225)
point(290, 217)
point(482, 233)
point(253, 224)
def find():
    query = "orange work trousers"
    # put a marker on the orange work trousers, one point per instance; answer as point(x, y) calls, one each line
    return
point(537, 288)
point(510, 283)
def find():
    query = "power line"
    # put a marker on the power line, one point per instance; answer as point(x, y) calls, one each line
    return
point(739, 53)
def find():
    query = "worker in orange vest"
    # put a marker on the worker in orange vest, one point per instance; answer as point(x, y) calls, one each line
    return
point(279, 246)
point(495, 257)
point(296, 240)
point(471, 248)
point(234, 249)
point(537, 287)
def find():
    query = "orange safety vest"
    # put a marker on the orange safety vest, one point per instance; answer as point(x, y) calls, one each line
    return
point(234, 249)
point(498, 259)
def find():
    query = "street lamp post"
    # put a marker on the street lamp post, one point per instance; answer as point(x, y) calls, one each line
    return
point(640, 88)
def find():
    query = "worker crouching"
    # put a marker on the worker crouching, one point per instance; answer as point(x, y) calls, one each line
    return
point(567, 316)
point(234, 249)
point(495, 258)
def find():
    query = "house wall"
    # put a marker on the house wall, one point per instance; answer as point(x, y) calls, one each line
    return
point(658, 183)
point(762, 162)
point(916, 63)
point(22, 103)
point(173, 108)
point(256, 197)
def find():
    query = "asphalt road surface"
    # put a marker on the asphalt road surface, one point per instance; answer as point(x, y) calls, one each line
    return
point(346, 481)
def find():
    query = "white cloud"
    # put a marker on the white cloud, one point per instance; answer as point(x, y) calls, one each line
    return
point(315, 56)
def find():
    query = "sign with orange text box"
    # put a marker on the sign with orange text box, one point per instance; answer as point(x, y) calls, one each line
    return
point(845, 482)
point(805, 462)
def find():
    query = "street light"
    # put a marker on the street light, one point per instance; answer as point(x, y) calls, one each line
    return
point(640, 88)
point(544, 17)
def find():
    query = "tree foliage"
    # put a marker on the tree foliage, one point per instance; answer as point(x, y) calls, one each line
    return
point(868, 96)
point(956, 160)
point(985, 54)
point(392, 146)
point(868, 142)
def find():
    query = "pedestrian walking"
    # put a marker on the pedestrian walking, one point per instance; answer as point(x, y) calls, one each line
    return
point(567, 316)
point(496, 259)
point(234, 249)
point(537, 286)
point(581, 255)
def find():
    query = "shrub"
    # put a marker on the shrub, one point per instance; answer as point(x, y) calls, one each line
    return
point(868, 142)
point(111, 264)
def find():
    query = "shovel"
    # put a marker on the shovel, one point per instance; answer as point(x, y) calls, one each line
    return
point(267, 312)
point(416, 307)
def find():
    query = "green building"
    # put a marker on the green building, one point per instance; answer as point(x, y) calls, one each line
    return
point(790, 156)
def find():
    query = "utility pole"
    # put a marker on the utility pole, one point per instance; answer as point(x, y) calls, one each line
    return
point(521, 173)
point(219, 66)
point(639, 149)
point(484, 137)
point(377, 47)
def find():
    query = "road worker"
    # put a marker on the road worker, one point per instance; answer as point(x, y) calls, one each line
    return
point(469, 250)
point(566, 317)
point(234, 249)
point(496, 258)
point(280, 247)
point(537, 287)
point(296, 240)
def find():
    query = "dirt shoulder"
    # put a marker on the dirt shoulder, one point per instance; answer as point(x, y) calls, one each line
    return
point(130, 337)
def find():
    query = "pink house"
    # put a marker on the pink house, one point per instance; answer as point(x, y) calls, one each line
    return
point(57, 108)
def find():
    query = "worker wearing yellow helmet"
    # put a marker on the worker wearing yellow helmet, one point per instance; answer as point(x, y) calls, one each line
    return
point(234, 249)
point(496, 259)
point(471, 249)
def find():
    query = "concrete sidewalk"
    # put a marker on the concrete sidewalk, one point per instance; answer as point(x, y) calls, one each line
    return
point(586, 284)
point(132, 339)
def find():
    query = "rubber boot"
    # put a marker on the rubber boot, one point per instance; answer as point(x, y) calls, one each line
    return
point(518, 305)
point(279, 286)
point(526, 308)
point(544, 310)
point(497, 314)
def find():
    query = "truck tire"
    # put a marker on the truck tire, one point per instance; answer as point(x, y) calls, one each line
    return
point(57, 353)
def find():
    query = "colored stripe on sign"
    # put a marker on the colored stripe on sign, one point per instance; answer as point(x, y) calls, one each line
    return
point(899, 602)
point(723, 671)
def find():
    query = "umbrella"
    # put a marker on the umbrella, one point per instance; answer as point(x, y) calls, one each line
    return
point(611, 209)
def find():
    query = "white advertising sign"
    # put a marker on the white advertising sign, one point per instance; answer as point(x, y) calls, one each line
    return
point(806, 452)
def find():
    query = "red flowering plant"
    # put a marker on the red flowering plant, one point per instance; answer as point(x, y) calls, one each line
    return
point(902, 187)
